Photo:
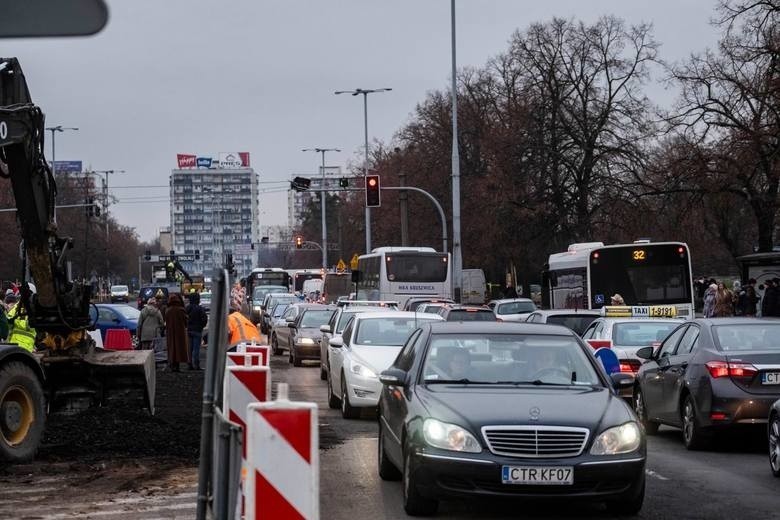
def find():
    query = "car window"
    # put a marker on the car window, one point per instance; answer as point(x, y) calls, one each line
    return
point(575, 322)
point(688, 341)
point(515, 308)
point(387, 332)
point(470, 315)
point(279, 309)
point(314, 318)
point(588, 334)
point(105, 314)
point(130, 313)
point(668, 346)
point(347, 335)
point(405, 358)
point(289, 313)
point(641, 334)
point(744, 337)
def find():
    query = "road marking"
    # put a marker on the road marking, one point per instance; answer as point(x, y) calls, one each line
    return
point(653, 474)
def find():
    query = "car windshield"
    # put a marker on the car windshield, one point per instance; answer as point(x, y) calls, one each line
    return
point(259, 292)
point(521, 359)
point(347, 314)
point(279, 309)
point(129, 313)
point(641, 334)
point(576, 322)
point(387, 332)
point(281, 299)
point(313, 319)
point(471, 315)
point(748, 336)
point(515, 308)
point(431, 308)
point(119, 288)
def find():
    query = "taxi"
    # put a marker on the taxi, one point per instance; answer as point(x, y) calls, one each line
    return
point(626, 329)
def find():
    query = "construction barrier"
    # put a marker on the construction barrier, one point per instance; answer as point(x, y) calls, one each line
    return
point(118, 339)
point(241, 359)
point(265, 350)
point(282, 478)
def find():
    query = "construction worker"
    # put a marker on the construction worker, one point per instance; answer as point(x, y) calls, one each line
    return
point(20, 331)
point(240, 329)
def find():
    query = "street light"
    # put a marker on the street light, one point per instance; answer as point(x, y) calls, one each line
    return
point(365, 93)
point(322, 200)
point(457, 253)
point(53, 129)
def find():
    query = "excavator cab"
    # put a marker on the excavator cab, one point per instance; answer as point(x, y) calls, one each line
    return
point(75, 372)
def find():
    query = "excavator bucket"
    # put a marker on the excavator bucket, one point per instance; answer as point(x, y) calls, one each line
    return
point(100, 377)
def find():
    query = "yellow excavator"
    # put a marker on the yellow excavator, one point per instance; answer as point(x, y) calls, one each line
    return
point(66, 371)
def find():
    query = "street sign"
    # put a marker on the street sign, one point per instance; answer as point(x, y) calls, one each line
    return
point(180, 258)
point(353, 264)
point(341, 266)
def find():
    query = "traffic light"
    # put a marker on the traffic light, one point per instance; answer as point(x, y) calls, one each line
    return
point(147, 255)
point(300, 184)
point(90, 205)
point(372, 191)
point(343, 182)
point(298, 242)
point(197, 254)
point(96, 210)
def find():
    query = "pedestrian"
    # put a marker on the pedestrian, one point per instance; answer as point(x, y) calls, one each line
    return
point(197, 319)
point(150, 325)
point(20, 331)
point(724, 302)
point(769, 290)
point(751, 298)
point(240, 329)
point(176, 332)
point(709, 300)
point(617, 299)
point(739, 298)
point(773, 298)
point(510, 291)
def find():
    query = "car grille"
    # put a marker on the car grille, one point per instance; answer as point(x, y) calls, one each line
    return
point(536, 441)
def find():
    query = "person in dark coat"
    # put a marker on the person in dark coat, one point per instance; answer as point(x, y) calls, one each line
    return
point(176, 332)
point(197, 319)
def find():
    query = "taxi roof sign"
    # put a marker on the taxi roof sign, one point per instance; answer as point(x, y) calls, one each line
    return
point(639, 311)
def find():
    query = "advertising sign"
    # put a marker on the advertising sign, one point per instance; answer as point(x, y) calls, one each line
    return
point(66, 166)
point(204, 162)
point(234, 160)
point(185, 160)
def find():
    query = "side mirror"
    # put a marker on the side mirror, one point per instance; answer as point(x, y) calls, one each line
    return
point(621, 380)
point(291, 324)
point(325, 328)
point(336, 342)
point(645, 353)
point(393, 377)
point(289, 319)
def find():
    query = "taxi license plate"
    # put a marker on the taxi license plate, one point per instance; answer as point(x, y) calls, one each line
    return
point(662, 311)
point(770, 378)
point(538, 475)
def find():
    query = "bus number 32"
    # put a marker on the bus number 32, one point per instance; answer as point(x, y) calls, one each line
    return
point(639, 254)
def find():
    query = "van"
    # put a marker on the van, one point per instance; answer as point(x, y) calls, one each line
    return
point(336, 285)
point(473, 286)
point(313, 285)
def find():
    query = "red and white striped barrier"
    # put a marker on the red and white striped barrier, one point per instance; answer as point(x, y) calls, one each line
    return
point(283, 465)
point(243, 359)
point(251, 348)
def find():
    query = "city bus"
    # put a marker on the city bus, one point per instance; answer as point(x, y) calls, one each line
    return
point(399, 273)
point(266, 276)
point(644, 273)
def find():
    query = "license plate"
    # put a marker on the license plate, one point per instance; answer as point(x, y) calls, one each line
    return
point(538, 475)
point(770, 378)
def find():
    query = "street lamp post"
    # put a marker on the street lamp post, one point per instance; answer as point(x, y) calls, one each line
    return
point(322, 202)
point(457, 254)
point(53, 129)
point(365, 93)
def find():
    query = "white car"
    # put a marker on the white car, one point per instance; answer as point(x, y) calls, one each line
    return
point(370, 343)
point(512, 309)
point(120, 294)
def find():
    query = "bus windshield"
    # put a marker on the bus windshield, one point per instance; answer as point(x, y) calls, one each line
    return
point(431, 267)
point(642, 274)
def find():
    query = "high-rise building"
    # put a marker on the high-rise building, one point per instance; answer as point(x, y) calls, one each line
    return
point(214, 211)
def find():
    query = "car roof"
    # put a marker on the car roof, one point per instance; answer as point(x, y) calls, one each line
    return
point(612, 321)
point(553, 312)
point(740, 320)
point(402, 314)
point(355, 309)
point(308, 306)
point(494, 327)
point(509, 300)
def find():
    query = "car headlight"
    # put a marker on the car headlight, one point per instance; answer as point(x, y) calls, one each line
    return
point(304, 341)
point(449, 437)
point(257, 308)
point(362, 370)
point(618, 439)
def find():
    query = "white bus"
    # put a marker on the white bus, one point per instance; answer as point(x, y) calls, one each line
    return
point(399, 273)
point(644, 273)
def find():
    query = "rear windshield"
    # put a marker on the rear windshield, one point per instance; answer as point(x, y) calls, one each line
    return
point(465, 315)
point(515, 308)
point(641, 334)
point(748, 336)
point(315, 318)
point(577, 322)
point(119, 288)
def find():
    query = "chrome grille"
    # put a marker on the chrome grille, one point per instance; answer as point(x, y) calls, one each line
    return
point(536, 441)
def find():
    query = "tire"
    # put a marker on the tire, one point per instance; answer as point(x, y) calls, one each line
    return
point(631, 505)
point(24, 412)
point(323, 373)
point(295, 361)
point(694, 438)
point(640, 407)
point(414, 503)
point(333, 401)
point(347, 410)
point(275, 345)
point(774, 445)
point(387, 470)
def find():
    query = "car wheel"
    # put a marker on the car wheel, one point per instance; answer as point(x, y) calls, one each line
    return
point(347, 410)
point(631, 504)
point(295, 361)
point(694, 437)
point(414, 503)
point(323, 373)
point(387, 470)
point(275, 345)
point(333, 401)
point(774, 445)
point(640, 407)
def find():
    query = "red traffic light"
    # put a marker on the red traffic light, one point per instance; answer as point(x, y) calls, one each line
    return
point(373, 189)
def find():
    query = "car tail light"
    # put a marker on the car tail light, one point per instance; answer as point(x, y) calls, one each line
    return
point(723, 369)
point(718, 416)
point(629, 366)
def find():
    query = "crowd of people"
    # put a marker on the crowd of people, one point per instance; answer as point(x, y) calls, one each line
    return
point(739, 300)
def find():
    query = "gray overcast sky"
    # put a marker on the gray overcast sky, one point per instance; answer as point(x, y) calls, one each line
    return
point(196, 76)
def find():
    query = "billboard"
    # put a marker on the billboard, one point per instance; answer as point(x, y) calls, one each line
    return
point(185, 160)
point(66, 166)
point(224, 160)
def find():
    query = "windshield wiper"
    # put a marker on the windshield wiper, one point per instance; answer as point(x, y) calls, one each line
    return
point(463, 381)
point(535, 382)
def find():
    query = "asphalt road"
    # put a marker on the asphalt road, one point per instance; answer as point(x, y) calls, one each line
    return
point(731, 481)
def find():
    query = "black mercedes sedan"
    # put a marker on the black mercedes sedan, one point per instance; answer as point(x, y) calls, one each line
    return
point(507, 410)
point(710, 375)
